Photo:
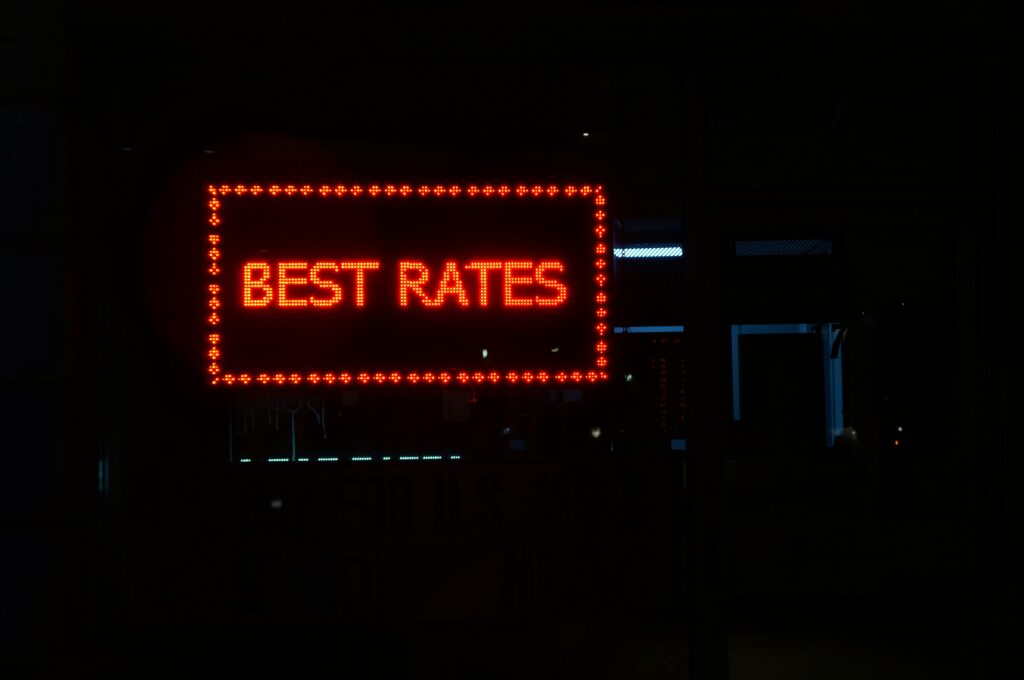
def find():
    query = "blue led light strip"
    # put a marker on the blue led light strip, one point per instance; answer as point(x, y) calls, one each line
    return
point(648, 252)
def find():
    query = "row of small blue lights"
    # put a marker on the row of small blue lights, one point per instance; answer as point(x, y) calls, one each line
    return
point(353, 459)
point(648, 252)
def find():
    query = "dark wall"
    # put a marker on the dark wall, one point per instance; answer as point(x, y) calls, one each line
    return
point(132, 546)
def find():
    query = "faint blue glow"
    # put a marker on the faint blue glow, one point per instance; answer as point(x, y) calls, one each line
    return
point(677, 445)
point(454, 457)
point(516, 444)
point(361, 458)
point(386, 458)
point(408, 458)
point(833, 383)
point(648, 252)
point(649, 329)
point(784, 247)
point(303, 460)
point(327, 459)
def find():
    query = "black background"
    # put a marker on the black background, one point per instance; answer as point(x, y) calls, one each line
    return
point(132, 548)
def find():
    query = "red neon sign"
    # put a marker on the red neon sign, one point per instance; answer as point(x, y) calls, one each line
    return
point(277, 296)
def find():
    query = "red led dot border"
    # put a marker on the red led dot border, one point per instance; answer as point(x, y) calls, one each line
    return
point(595, 193)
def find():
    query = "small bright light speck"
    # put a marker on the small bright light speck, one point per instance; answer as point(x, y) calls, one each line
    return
point(483, 353)
point(276, 504)
point(595, 432)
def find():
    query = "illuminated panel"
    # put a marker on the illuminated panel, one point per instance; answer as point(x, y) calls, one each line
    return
point(389, 284)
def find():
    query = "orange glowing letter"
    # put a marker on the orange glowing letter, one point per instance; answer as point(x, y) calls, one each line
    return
point(482, 268)
point(561, 290)
point(414, 284)
point(451, 284)
point(512, 280)
point(283, 281)
point(258, 283)
point(359, 268)
point(326, 284)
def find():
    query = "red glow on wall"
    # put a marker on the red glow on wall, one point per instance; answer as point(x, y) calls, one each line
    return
point(324, 283)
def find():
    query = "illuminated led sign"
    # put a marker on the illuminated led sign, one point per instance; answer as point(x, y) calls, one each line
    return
point(397, 284)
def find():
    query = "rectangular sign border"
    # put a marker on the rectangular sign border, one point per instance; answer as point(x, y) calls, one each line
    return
point(602, 253)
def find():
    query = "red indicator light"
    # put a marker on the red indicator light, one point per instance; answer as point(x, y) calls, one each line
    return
point(552, 190)
point(274, 190)
point(325, 190)
point(290, 190)
point(504, 191)
point(472, 190)
point(390, 190)
point(512, 280)
point(340, 190)
point(537, 190)
point(374, 190)
point(306, 190)
point(483, 269)
point(325, 284)
point(363, 378)
point(521, 190)
point(405, 190)
point(451, 284)
point(345, 378)
point(256, 190)
point(355, 190)
point(488, 191)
